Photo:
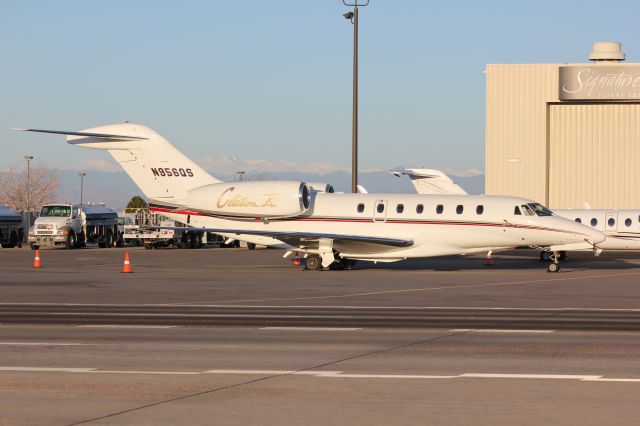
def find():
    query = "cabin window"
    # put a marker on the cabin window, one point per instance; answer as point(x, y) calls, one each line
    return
point(594, 221)
point(360, 208)
point(439, 208)
point(459, 208)
point(480, 209)
point(627, 222)
point(611, 221)
point(400, 208)
point(516, 211)
point(578, 220)
point(419, 208)
point(380, 208)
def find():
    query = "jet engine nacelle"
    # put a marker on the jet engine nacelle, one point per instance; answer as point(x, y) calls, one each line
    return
point(321, 187)
point(252, 199)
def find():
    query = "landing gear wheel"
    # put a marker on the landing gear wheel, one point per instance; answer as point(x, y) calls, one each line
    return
point(185, 241)
point(251, 246)
point(34, 247)
point(312, 263)
point(148, 246)
point(545, 256)
point(553, 267)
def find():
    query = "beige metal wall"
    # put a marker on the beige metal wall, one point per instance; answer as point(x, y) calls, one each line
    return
point(516, 130)
point(594, 152)
point(558, 153)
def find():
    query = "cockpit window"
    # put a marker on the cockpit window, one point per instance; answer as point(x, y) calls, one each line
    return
point(516, 211)
point(540, 209)
point(528, 211)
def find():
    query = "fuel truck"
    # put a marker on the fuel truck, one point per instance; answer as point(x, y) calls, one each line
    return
point(73, 226)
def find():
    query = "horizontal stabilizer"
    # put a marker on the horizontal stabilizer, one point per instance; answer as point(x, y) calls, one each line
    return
point(105, 136)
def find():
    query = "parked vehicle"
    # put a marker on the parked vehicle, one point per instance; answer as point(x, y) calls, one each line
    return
point(139, 229)
point(11, 231)
point(73, 226)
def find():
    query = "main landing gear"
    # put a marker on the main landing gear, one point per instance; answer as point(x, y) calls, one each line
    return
point(314, 263)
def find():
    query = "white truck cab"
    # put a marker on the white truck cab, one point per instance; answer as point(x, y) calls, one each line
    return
point(57, 225)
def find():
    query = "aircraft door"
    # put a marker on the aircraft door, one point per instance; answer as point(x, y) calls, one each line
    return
point(380, 211)
point(611, 221)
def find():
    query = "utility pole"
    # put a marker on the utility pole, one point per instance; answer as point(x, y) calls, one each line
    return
point(82, 175)
point(28, 195)
point(353, 17)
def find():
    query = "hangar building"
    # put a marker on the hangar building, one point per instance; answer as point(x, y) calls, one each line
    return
point(565, 134)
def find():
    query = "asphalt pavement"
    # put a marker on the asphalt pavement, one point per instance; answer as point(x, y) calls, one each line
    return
point(230, 336)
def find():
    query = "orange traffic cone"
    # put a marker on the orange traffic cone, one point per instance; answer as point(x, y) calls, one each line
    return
point(36, 260)
point(126, 268)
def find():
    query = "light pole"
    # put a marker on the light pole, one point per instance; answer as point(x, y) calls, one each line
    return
point(82, 175)
point(353, 17)
point(28, 158)
point(241, 175)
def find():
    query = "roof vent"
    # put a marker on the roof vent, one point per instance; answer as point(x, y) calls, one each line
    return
point(606, 51)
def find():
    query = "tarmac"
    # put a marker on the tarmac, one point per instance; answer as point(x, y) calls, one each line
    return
point(231, 336)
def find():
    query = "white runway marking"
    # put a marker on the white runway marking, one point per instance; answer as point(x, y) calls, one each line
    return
point(337, 374)
point(313, 328)
point(123, 326)
point(499, 330)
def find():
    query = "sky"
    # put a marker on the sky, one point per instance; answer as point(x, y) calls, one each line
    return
point(268, 83)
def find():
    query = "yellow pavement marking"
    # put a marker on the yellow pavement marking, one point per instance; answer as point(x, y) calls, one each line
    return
point(408, 290)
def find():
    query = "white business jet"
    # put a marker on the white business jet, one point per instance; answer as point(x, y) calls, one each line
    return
point(620, 226)
point(330, 229)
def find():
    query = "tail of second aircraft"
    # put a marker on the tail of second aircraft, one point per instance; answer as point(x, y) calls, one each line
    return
point(159, 169)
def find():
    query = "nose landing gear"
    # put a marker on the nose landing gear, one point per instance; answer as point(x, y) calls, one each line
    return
point(554, 257)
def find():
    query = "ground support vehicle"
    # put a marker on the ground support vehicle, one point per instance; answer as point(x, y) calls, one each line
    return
point(143, 227)
point(11, 231)
point(73, 226)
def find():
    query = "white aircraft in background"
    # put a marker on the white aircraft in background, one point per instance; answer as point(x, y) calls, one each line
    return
point(330, 229)
point(620, 226)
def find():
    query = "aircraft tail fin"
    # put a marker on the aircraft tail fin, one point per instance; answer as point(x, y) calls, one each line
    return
point(431, 181)
point(156, 166)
